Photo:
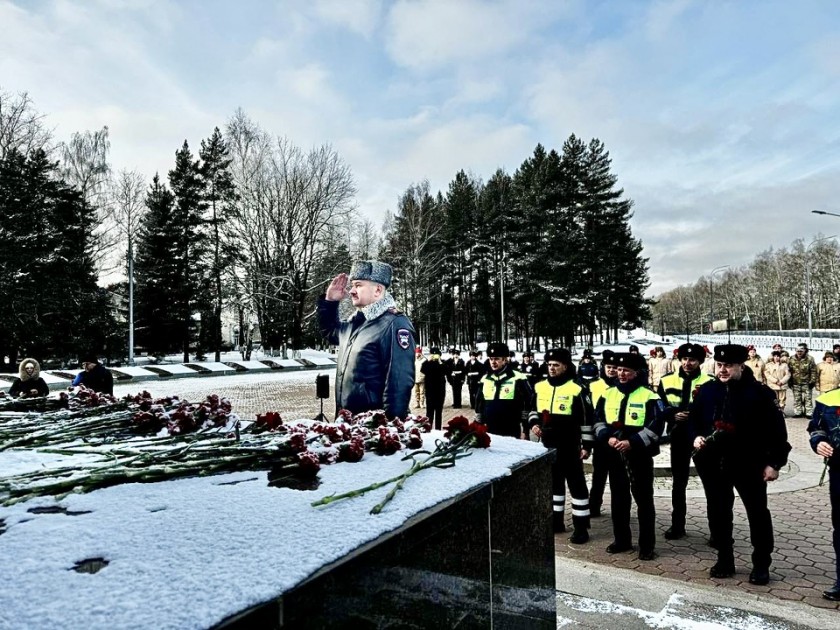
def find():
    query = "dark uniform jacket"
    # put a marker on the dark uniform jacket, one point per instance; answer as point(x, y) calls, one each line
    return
point(475, 370)
point(755, 432)
point(562, 410)
point(456, 370)
point(825, 425)
point(99, 379)
point(503, 401)
point(375, 361)
point(435, 373)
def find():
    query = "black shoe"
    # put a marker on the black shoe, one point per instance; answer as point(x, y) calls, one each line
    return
point(559, 528)
point(760, 577)
point(833, 593)
point(672, 533)
point(616, 548)
point(647, 555)
point(579, 537)
point(594, 512)
point(722, 570)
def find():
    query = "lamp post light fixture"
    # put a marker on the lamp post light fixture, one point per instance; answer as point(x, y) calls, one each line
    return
point(712, 295)
point(831, 214)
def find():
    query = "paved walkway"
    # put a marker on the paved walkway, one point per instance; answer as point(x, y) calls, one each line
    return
point(803, 564)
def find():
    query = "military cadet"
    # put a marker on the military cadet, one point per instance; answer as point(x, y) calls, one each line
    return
point(629, 419)
point(587, 370)
point(529, 367)
point(435, 374)
point(419, 379)
point(456, 371)
point(678, 390)
point(803, 378)
point(825, 440)
point(475, 370)
point(561, 417)
point(740, 442)
point(504, 396)
point(599, 457)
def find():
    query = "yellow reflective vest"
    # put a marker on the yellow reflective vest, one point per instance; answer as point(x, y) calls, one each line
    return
point(636, 410)
point(556, 400)
point(673, 383)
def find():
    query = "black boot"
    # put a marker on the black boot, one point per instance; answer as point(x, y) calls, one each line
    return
point(833, 593)
point(579, 537)
point(760, 576)
point(674, 533)
point(725, 566)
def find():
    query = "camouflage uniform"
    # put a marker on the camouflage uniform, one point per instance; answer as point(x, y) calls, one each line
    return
point(803, 377)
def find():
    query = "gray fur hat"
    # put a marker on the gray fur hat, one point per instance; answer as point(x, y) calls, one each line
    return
point(372, 270)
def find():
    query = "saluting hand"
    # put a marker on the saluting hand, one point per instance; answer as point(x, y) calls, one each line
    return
point(338, 288)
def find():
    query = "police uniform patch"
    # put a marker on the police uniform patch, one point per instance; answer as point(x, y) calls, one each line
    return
point(634, 416)
point(404, 338)
point(562, 407)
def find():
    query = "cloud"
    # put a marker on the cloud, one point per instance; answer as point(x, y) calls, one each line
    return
point(359, 16)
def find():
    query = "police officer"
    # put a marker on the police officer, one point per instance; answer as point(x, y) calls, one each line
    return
point(504, 396)
point(803, 378)
point(435, 377)
point(587, 370)
point(475, 370)
point(561, 418)
point(455, 373)
point(678, 390)
point(740, 440)
point(599, 456)
point(825, 440)
point(629, 420)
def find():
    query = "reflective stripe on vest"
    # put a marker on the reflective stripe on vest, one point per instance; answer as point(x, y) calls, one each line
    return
point(556, 400)
point(636, 405)
point(507, 389)
point(674, 382)
point(597, 389)
point(830, 399)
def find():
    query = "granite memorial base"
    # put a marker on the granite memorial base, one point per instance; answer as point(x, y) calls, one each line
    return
point(484, 559)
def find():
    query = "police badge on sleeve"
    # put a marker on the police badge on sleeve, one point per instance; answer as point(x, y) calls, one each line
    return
point(404, 338)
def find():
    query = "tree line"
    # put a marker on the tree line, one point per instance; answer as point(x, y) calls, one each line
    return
point(252, 224)
point(773, 292)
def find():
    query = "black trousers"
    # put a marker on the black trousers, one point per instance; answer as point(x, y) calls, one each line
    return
point(473, 390)
point(632, 473)
point(834, 492)
point(721, 476)
point(600, 470)
point(457, 384)
point(434, 407)
point(681, 449)
point(568, 468)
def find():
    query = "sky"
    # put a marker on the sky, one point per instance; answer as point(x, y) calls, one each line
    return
point(721, 118)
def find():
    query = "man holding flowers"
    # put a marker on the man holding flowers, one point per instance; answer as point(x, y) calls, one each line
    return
point(740, 442)
point(825, 440)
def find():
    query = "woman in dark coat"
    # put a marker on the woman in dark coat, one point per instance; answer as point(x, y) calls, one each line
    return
point(29, 383)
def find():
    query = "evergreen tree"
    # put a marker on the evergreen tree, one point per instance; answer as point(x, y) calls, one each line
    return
point(220, 195)
point(192, 294)
point(158, 274)
point(53, 308)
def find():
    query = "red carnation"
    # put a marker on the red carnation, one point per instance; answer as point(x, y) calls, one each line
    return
point(308, 463)
point(481, 439)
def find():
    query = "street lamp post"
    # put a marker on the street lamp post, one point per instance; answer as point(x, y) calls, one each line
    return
point(808, 278)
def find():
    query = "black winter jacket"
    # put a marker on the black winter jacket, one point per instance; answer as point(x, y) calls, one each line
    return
point(758, 437)
point(375, 362)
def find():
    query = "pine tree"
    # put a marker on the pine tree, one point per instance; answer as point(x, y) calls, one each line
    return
point(193, 293)
point(158, 274)
point(220, 194)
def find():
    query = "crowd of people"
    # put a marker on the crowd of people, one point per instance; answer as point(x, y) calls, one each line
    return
point(723, 409)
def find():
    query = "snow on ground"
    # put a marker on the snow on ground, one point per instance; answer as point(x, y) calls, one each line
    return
point(190, 552)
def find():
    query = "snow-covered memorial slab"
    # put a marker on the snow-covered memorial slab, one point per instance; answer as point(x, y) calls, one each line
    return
point(145, 513)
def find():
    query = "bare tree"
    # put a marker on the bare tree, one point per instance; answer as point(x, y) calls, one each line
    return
point(289, 201)
point(127, 193)
point(84, 164)
point(21, 126)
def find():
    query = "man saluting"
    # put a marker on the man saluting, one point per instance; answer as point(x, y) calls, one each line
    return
point(375, 366)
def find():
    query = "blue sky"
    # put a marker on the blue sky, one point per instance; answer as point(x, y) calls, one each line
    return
point(721, 117)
